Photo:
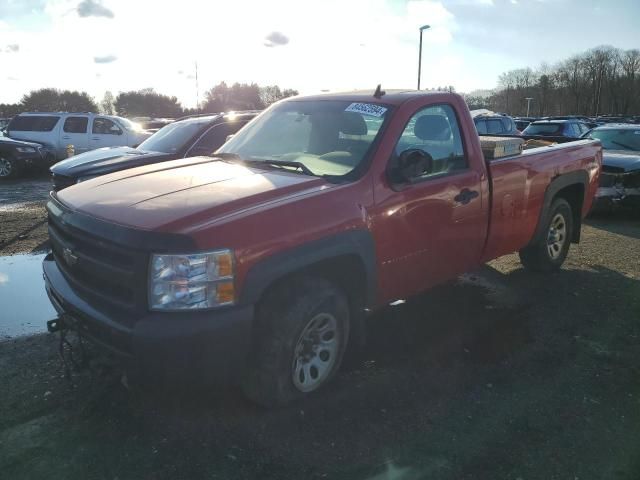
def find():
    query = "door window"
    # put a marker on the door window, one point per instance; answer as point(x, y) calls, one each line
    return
point(214, 138)
point(104, 126)
point(75, 125)
point(435, 131)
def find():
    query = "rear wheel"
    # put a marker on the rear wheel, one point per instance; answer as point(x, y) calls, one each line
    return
point(550, 252)
point(8, 167)
point(301, 335)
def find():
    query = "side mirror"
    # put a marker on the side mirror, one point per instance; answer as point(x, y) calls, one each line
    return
point(412, 163)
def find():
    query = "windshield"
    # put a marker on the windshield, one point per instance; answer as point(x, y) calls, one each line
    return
point(326, 137)
point(173, 137)
point(544, 129)
point(129, 125)
point(617, 139)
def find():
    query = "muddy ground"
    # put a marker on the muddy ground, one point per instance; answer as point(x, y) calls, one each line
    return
point(22, 215)
point(502, 375)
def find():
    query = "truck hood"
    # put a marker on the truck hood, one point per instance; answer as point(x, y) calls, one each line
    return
point(106, 160)
point(624, 159)
point(178, 195)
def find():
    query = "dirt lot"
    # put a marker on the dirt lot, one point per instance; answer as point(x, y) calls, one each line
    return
point(503, 375)
point(22, 215)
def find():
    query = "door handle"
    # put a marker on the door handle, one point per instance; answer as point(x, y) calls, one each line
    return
point(66, 137)
point(465, 196)
point(95, 138)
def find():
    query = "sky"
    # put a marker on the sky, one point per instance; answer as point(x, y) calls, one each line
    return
point(309, 45)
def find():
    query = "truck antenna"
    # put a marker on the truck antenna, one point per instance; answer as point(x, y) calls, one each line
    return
point(379, 92)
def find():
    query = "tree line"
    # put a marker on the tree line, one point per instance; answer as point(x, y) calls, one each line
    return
point(603, 80)
point(147, 102)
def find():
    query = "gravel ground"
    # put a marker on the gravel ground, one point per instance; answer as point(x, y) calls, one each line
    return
point(22, 215)
point(502, 375)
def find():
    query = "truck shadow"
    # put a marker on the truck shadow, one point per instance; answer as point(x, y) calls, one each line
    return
point(622, 222)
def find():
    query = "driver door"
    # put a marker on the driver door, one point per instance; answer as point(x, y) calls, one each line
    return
point(429, 228)
point(105, 133)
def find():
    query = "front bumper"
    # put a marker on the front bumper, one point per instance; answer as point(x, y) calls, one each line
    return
point(34, 159)
point(210, 346)
point(610, 197)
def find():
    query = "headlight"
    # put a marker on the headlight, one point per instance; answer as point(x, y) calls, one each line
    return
point(200, 280)
point(26, 149)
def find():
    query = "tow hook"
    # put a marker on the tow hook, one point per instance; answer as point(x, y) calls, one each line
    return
point(55, 325)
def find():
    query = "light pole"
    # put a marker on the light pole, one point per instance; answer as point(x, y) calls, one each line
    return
point(528, 99)
point(422, 28)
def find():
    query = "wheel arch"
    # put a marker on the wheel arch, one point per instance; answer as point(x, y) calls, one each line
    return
point(571, 187)
point(346, 259)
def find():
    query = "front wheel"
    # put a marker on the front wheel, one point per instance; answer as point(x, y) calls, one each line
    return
point(301, 334)
point(8, 168)
point(550, 252)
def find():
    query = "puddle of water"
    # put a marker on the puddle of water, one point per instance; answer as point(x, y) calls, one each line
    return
point(24, 305)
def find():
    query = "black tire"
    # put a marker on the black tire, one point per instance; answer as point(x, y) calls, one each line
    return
point(543, 256)
point(9, 168)
point(282, 319)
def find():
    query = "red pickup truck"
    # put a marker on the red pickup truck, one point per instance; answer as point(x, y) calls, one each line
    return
point(260, 263)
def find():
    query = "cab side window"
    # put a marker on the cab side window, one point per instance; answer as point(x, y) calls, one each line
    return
point(75, 125)
point(435, 131)
point(104, 126)
point(214, 138)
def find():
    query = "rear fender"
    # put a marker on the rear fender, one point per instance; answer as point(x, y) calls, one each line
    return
point(559, 183)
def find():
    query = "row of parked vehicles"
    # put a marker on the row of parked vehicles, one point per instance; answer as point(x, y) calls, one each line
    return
point(41, 139)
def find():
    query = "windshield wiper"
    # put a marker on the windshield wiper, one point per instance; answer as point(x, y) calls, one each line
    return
point(227, 156)
point(256, 161)
point(623, 145)
point(283, 164)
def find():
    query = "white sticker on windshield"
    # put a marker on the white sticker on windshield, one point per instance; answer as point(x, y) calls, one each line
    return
point(366, 109)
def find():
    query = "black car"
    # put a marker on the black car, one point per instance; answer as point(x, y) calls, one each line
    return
point(620, 175)
point(17, 156)
point(186, 137)
point(572, 128)
point(495, 125)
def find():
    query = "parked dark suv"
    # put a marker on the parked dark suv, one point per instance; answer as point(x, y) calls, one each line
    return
point(557, 128)
point(186, 137)
point(495, 125)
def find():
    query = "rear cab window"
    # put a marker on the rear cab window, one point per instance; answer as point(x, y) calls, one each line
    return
point(33, 123)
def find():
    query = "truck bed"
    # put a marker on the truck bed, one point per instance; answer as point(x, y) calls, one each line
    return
point(518, 184)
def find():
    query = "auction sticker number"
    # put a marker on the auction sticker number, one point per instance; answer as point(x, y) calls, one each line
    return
point(367, 109)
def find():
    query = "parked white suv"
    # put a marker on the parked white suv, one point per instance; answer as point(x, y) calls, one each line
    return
point(85, 131)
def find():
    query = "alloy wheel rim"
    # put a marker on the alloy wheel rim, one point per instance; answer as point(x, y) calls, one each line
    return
point(5, 167)
point(557, 236)
point(315, 352)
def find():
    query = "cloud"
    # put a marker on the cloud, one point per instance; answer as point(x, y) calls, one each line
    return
point(4, 278)
point(13, 48)
point(105, 59)
point(93, 8)
point(275, 39)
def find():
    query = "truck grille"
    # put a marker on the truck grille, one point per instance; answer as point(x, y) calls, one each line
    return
point(99, 271)
point(62, 181)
